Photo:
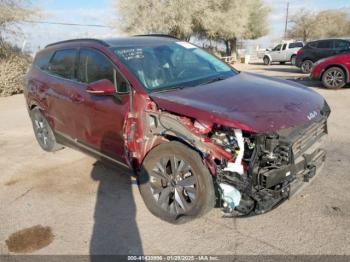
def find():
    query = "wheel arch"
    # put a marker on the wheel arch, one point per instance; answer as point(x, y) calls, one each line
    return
point(346, 71)
point(268, 56)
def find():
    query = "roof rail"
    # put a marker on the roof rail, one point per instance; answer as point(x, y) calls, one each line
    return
point(160, 35)
point(78, 40)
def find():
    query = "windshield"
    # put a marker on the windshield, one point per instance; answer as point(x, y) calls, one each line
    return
point(172, 65)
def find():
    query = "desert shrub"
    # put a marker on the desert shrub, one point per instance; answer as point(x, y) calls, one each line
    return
point(12, 73)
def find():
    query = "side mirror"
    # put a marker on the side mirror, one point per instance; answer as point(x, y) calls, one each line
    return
point(101, 87)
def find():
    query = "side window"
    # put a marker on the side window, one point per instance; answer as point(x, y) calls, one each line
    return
point(325, 44)
point(42, 60)
point(341, 45)
point(277, 48)
point(284, 47)
point(295, 45)
point(94, 66)
point(63, 63)
point(313, 44)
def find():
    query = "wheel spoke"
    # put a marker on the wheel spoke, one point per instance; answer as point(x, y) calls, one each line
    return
point(180, 199)
point(164, 197)
point(187, 182)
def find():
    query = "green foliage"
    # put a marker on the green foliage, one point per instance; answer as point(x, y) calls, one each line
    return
point(225, 20)
point(329, 23)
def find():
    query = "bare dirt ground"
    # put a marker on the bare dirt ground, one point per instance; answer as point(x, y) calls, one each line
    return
point(81, 206)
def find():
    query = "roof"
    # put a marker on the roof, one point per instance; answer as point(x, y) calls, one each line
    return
point(143, 40)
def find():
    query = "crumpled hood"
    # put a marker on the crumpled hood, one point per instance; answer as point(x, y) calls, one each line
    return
point(248, 101)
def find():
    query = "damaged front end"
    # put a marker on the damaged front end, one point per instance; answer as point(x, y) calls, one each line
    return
point(252, 172)
point(273, 167)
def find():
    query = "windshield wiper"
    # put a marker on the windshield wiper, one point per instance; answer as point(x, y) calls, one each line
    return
point(169, 89)
point(214, 79)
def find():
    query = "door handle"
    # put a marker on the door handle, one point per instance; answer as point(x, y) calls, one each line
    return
point(76, 98)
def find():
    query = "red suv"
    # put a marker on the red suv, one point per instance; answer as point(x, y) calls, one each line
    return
point(332, 71)
point(196, 131)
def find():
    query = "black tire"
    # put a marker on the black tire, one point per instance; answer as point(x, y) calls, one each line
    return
point(282, 63)
point(306, 66)
point(179, 197)
point(293, 60)
point(43, 132)
point(266, 60)
point(334, 78)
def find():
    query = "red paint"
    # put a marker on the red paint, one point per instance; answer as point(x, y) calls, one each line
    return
point(111, 125)
point(246, 101)
point(342, 61)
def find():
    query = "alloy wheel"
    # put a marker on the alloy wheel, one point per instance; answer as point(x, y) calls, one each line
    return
point(174, 185)
point(306, 66)
point(41, 130)
point(334, 78)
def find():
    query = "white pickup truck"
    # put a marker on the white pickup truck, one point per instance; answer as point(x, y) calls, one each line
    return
point(284, 52)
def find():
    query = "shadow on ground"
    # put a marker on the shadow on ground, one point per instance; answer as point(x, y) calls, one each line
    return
point(115, 230)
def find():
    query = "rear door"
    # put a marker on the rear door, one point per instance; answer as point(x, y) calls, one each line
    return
point(324, 49)
point(99, 120)
point(60, 81)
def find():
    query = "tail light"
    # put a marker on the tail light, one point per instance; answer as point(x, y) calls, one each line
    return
point(300, 52)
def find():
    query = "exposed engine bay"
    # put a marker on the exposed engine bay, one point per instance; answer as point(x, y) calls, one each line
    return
point(266, 167)
point(252, 173)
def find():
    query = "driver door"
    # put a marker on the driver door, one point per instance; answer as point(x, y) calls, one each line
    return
point(275, 53)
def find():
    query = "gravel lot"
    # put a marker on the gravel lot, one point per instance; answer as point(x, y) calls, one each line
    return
point(71, 204)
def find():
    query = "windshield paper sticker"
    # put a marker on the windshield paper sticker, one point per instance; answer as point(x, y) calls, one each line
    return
point(186, 45)
point(131, 53)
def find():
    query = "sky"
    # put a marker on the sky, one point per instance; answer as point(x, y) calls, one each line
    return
point(101, 12)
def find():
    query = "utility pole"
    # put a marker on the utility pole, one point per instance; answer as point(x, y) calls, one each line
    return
point(286, 25)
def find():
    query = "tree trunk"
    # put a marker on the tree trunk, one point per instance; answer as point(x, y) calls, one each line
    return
point(228, 49)
point(233, 46)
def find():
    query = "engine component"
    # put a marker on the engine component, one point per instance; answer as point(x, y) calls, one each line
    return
point(231, 196)
point(237, 165)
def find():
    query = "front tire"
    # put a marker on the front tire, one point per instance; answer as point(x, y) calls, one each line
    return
point(175, 184)
point(266, 60)
point(334, 78)
point(43, 132)
point(306, 66)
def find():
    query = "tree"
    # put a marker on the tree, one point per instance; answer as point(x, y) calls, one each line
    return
point(228, 20)
point(155, 16)
point(328, 23)
point(11, 13)
point(224, 20)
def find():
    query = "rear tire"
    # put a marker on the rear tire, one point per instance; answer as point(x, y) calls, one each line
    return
point(266, 60)
point(306, 66)
point(175, 184)
point(282, 63)
point(43, 131)
point(293, 60)
point(334, 78)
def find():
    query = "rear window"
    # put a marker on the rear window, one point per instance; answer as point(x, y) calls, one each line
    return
point(296, 45)
point(324, 44)
point(312, 44)
point(63, 63)
point(342, 45)
point(42, 60)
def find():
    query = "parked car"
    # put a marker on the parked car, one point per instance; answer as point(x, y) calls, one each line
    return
point(196, 131)
point(316, 50)
point(332, 71)
point(284, 52)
